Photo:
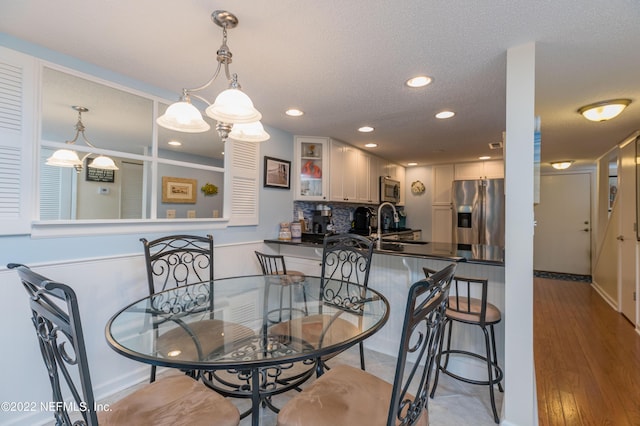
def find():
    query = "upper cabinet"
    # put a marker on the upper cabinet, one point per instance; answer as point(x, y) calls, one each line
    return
point(344, 171)
point(310, 169)
point(491, 169)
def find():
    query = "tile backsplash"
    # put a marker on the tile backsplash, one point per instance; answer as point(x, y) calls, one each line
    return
point(342, 213)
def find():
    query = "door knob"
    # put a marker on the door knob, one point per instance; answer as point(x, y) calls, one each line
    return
point(586, 229)
point(620, 237)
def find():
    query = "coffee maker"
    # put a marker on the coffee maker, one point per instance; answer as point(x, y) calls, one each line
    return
point(321, 221)
point(363, 220)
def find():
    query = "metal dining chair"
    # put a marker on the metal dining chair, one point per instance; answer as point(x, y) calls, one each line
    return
point(346, 395)
point(172, 400)
point(175, 261)
point(346, 260)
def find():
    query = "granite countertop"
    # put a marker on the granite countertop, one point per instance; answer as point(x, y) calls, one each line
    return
point(471, 253)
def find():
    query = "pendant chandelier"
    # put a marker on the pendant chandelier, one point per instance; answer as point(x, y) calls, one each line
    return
point(69, 158)
point(233, 109)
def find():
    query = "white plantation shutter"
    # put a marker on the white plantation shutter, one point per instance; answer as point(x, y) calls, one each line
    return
point(17, 102)
point(242, 168)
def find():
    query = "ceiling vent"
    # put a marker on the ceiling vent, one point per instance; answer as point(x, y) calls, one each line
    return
point(495, 145)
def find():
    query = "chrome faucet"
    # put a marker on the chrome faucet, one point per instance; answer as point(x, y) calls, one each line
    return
point(396, 219)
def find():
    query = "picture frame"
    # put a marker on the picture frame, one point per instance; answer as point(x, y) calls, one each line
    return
point(277, 173)
point(179, 190)
point(98, 175)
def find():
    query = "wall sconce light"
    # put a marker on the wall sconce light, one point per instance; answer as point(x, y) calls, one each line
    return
point(69, 158)
point(605, 110)
point(232, 106)
point(562, 165)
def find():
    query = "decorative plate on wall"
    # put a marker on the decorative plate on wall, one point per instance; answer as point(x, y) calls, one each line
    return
point(417, 187)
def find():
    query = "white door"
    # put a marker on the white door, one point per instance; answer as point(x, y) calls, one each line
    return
point(626, 200)
point(562, 239)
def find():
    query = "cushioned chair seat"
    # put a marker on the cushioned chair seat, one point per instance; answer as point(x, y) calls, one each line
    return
point(492, 315)
point(212, 335)
point(311, 328)
point(344, 395)
point(174, 400)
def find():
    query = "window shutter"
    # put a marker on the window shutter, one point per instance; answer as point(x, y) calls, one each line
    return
point(17, 112)
point(242, 168)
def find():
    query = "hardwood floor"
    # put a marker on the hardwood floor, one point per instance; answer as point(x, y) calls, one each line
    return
point(587, 358)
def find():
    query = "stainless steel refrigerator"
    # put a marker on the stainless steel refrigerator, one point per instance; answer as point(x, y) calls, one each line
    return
point(478, 209)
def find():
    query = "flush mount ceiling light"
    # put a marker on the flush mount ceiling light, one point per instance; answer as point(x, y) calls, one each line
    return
point(561, 165)
point(445, 114)
point(294, 112)
point(419, 81)
point(484, 157)
point(605, 110)
point(69, 158)
point(232, 106)
point(371, 145)
point(366, 129)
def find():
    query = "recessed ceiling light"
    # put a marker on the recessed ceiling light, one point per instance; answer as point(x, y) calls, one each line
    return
point(484, 157)
point(412, 164)
point(365, 129)
point(294, 112)
point(174, 143)
point(371, 145)
point(419, 81)
point(445, 114)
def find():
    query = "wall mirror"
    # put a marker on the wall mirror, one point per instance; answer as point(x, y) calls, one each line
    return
point(121, 125)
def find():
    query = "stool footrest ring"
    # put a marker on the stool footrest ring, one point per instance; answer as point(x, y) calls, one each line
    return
point(498, 375)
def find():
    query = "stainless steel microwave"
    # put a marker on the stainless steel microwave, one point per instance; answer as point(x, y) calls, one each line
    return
point(389, 190)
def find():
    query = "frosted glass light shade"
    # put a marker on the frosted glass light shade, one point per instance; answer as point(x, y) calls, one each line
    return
point(102, 162)
point(183, 117)
point(233, 106)
point(64, 158)
point(249, 132)
point(562, 165)
point(603, 111)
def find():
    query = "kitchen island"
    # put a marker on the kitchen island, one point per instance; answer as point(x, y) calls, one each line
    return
point(396, 265)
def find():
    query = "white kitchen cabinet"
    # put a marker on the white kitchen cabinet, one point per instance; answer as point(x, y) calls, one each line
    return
point(442, 224)
point(343, 167)
point(442, 179)
point(363, 177)
point(490, 169)
point(310, 168)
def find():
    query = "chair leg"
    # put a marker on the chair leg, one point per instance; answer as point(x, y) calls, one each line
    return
point(361, 346)
point(490, 374)
point(438, 356)
point(495, 356)
point(152, 377)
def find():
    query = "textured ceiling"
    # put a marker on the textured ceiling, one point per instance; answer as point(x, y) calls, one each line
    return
point(344, 63)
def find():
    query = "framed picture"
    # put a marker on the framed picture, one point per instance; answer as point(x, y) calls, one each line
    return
point(178, 190)
point(277, 173)
point(98, 175)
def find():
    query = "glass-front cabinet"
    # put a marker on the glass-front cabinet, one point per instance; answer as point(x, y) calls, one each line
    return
point(311, 168)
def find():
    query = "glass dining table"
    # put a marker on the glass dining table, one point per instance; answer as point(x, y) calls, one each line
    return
point(250, 336)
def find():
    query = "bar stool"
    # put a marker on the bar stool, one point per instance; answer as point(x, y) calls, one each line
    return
point(464, 308)
point(274, 264)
